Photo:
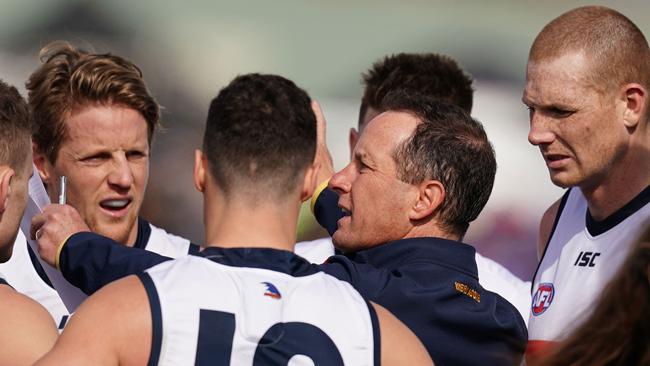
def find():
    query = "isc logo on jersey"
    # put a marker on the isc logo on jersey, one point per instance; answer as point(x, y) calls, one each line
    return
point(542, 298)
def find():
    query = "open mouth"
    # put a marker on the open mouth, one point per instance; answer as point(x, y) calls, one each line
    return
point(346, 212)
point(115, 205)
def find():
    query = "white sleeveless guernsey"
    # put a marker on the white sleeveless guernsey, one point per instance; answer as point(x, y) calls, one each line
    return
point(21, 274)
point(19, 270)
point(581, 257)
point(256, 307)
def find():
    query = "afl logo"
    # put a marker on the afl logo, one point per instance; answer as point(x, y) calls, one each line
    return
point(542, 298)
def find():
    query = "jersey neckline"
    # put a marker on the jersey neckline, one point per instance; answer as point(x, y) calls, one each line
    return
point(264, 258)
point(596, 228)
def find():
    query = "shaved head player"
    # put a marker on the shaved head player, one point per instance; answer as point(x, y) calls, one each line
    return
point(587, 84)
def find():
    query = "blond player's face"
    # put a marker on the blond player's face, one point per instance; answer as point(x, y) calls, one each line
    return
point(577, 126)
point(105, 157)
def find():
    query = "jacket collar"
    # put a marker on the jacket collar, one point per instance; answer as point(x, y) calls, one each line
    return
point(448, 253)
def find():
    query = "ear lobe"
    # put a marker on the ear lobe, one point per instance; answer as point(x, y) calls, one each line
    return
point(430, 198)
point(635, 98)
point(309, 182)
point(200, 167)
point(6, 175)
point(40, 162)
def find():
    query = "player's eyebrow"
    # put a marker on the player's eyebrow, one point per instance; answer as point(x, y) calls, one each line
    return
point(364, 157)
point(548, 105)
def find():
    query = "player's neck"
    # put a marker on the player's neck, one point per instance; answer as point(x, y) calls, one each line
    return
point(238, 224)
point(10, 237)
point(620, 186)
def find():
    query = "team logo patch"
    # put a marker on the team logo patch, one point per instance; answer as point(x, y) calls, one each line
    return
point(542, 298)
point(272, 291)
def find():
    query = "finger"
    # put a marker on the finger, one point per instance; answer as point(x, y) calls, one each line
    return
point(321, 125)
point(37, 222)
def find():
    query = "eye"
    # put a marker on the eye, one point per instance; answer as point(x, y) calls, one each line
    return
point(363, 167)
point(135, 154)
point(559, 112)
point(96, 158)
point(531, 111)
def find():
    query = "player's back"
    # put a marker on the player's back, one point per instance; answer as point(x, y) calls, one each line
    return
point(256, 307)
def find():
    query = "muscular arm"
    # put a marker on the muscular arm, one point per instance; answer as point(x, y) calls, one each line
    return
point(399, 346)
point(112, 327)
point(28, 330)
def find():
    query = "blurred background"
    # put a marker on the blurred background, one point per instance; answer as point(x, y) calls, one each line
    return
point(189, 50)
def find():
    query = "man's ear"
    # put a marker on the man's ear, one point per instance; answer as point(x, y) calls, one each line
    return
point(6, 174)
point(42, 163)
point(352, 140)
point(431, 195)
point(635, 98)
point(200, 167)
point(309, 182)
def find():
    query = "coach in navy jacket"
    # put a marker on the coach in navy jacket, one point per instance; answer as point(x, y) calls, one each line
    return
point(420, 173)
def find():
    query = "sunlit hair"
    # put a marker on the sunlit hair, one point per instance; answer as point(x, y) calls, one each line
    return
point(434, 75)
point(448, 146)
point(15, 128)
point(615, 47)
point(618, 331)
point(260, 137)
point(70, 79)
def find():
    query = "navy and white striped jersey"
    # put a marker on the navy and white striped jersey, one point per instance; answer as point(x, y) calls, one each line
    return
point(253, 306)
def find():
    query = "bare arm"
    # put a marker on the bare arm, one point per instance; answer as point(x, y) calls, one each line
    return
point(399, 346)
point(112, 327)
point(28, 330)
point(545, 227)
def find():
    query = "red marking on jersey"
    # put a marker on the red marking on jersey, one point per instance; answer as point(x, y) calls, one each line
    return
point(270, 294)
point(538, 349)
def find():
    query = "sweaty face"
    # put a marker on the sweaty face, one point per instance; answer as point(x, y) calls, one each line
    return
point(369, 190)
point(106, 160)
point(578, 128)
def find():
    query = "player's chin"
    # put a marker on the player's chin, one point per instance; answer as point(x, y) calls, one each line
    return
point(118, 230)
point(343, 240)
point(563, 180)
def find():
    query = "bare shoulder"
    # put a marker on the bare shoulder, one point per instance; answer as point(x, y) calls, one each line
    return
point(28, 329)
point(111, 327)
point(546, 226)
point(399, 346)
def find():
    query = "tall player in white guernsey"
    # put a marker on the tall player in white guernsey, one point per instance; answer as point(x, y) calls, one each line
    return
point(26, 329)
point(247, 299)
point(587, 85)
point(94, 121)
